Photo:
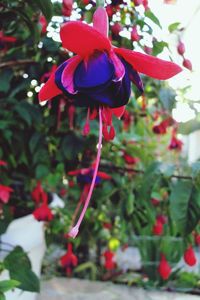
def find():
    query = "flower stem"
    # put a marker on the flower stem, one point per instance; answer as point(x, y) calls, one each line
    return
point(74, 231)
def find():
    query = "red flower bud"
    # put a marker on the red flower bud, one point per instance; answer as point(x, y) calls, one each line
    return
point(181, 48)
point(67, 8)
point(189, 256)
point(158, 228)
point(197, 239)
point(137, 2)
point(134, 34)
point(164, 268)
point(116, 28)
point(187, 64)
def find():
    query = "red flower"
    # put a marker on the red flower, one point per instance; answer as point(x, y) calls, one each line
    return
point(175, 144)
point(129, 159)
point(137, 2)
point(43, 23)
point(164, 268)
point(38, 194)
point(5, 41)
point(107, 225)
point(3, 163)
point(109, 263)
point(5, 193)
point(155, 201)
point(189, 256)
point(43, 213)
point(99, 77)
point(197, 239)
point(69, 260)
point(67, 7)
point(158, 227)
point(116, 28)
point(127, 120)
point(162, 127)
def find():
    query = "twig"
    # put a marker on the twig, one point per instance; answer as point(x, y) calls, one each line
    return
point(14, 63)
point(131, 170)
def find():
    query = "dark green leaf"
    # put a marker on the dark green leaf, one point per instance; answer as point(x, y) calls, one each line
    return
point(179, 203)
point(46, 8)
point(5, 78)
point(41, 171)
point(19, 267)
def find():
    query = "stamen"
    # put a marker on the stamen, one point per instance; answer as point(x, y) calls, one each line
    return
point(74, 231)
point(86, 128)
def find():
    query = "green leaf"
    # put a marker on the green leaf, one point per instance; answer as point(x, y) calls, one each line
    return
point(158, 47)
point(7, 218)
point(130, 204)
point(41, 171)
point(174, 26)
point(7, 285)
point(19, 266)
point(2, 296)
point(5, 79)
point(167, 97)
point(23, 112)
point(152, 17)
point(179, 203)
point(46, 8)
point(35, 141)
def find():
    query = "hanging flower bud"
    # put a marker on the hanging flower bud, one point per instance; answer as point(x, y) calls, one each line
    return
point(181, 48)
point(158, 227)
point(189, 256)
point(115, 29)
point(187, 64)
point(134, 34)
point(43, 23)
point(137, 2)
point(109, 263)
point(67, 8)
point(197, 239)
point(164, 268)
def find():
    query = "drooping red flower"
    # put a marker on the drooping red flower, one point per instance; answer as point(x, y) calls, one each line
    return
point(164, 268)
point(189, 256)
point(197, 239)
point(158, 227)
point(127, 119)
point(99, 77)
point(115, 29)
point(155, 201)
point(137, 2)
point(38, 194)
point(175, 143)
point(43, 213)
point(109, 263)
point(43, 23)
point(67, 7)
point(129, 159)
point(162, 127)
point(69, 260)
point(3, 163)
point(5, 41)
point(5, 193)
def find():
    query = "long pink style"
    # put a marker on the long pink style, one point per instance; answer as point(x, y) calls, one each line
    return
point(74, 231)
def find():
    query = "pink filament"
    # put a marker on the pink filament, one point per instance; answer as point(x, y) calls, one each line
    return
point(74, 231)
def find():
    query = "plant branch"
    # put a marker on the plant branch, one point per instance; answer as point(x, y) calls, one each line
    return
point(14, 63)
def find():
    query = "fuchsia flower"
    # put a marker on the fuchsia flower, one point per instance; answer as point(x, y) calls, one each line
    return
point(67, 7)
point(109, 263)
point(3, 163)
point(189, 256)
point(162, 127)
point(175, 143)
point(43, 23)
point(129, 159)
point(158, 227)
point(5, 41)
point(69, 260)
point(5, 193)
point(164, 268)
point(42, 212)
point(135, 37)
point(99, 77)
point(38, 194)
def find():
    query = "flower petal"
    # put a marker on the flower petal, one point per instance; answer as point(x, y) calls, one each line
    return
point(67, 77)
point(118, 111)
point(49, 89)
point(149, 65)
point(119, 67)
point(83, 39)
point(100, 21)
point(97, 71)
